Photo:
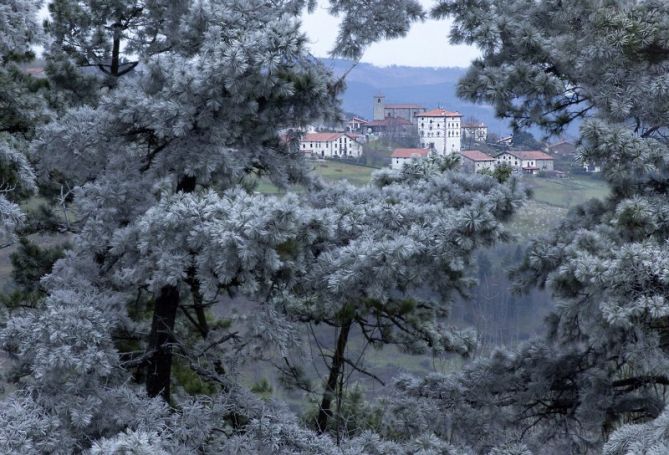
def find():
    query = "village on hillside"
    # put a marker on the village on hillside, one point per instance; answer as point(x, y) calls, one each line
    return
point(400, 133)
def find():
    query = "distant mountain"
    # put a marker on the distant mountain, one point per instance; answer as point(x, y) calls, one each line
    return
point(431, 87)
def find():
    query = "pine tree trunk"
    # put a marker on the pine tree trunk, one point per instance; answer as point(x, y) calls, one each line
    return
point(198, 304)
point(325, 410)
point(159, 368)
point(116, 51)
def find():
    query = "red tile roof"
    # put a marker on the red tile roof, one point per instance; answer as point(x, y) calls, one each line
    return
point(327, 137)
point(476, 155)
point(439, 113)
point(321, 137)
point(530, 155)
point(410, 153)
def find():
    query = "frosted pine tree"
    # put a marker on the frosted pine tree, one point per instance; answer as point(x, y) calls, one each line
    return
point(399, 251)
point(21, 109)
point(159, 163)
point(604, 361)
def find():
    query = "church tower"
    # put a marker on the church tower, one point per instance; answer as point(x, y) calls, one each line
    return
point(379, 105)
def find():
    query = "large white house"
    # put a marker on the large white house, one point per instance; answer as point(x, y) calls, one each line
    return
point(439, 130)
point(529, 162)
point(331, 145)
point(402, 156)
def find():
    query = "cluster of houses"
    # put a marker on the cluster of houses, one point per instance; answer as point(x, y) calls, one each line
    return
point(525, 161)
point(440, 132)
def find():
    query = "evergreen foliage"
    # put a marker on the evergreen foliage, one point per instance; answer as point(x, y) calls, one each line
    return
point(158, 162)
point(604, 359)
point(20, 110)
point(118, 348)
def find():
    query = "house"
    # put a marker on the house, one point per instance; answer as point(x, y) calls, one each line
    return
point(391, 125)
point(356, 125)
point(439, 130)
point(475, 131)
point(402, 156)
point(475, 161)
point(505, 141)
point(406, 111)
point(591, 168)
point(331, 145)
point(562, 148)
point(527, 162)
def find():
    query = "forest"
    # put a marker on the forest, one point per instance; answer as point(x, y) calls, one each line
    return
point(158, 302)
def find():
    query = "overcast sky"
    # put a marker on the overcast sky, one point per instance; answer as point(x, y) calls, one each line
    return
point(426, 44)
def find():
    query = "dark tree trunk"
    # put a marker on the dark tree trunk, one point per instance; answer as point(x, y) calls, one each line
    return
point(159, 367)
point(198, 303)
point(116, 51)
point(325, 411)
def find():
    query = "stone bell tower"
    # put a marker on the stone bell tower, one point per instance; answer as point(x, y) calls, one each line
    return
point(379, 105)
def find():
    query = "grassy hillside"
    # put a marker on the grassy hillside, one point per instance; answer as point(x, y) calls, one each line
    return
point(330, 170)
point(567, 192)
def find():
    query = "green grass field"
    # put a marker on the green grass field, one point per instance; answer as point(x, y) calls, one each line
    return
point(566, 192)
point(550, 201)
point(333, 170)
point(563, 193)
point(330, 170)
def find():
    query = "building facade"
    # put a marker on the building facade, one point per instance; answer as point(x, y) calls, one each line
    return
point(407, 111)
point(331, 145)
point(356, 125)
point(476, 161)
point(406, 155)
point(527, 162)
point(439, 130)
point(478, 132)
point(389, 126)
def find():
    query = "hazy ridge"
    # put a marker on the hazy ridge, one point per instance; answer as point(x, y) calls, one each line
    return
point(428, 86)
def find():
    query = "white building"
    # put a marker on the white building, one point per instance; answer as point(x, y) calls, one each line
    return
point(356, 124)
point(478, 132)
point(529, 162)
point(439, 130)
point(401, 156)
point(331, 145)
point(475, 161)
